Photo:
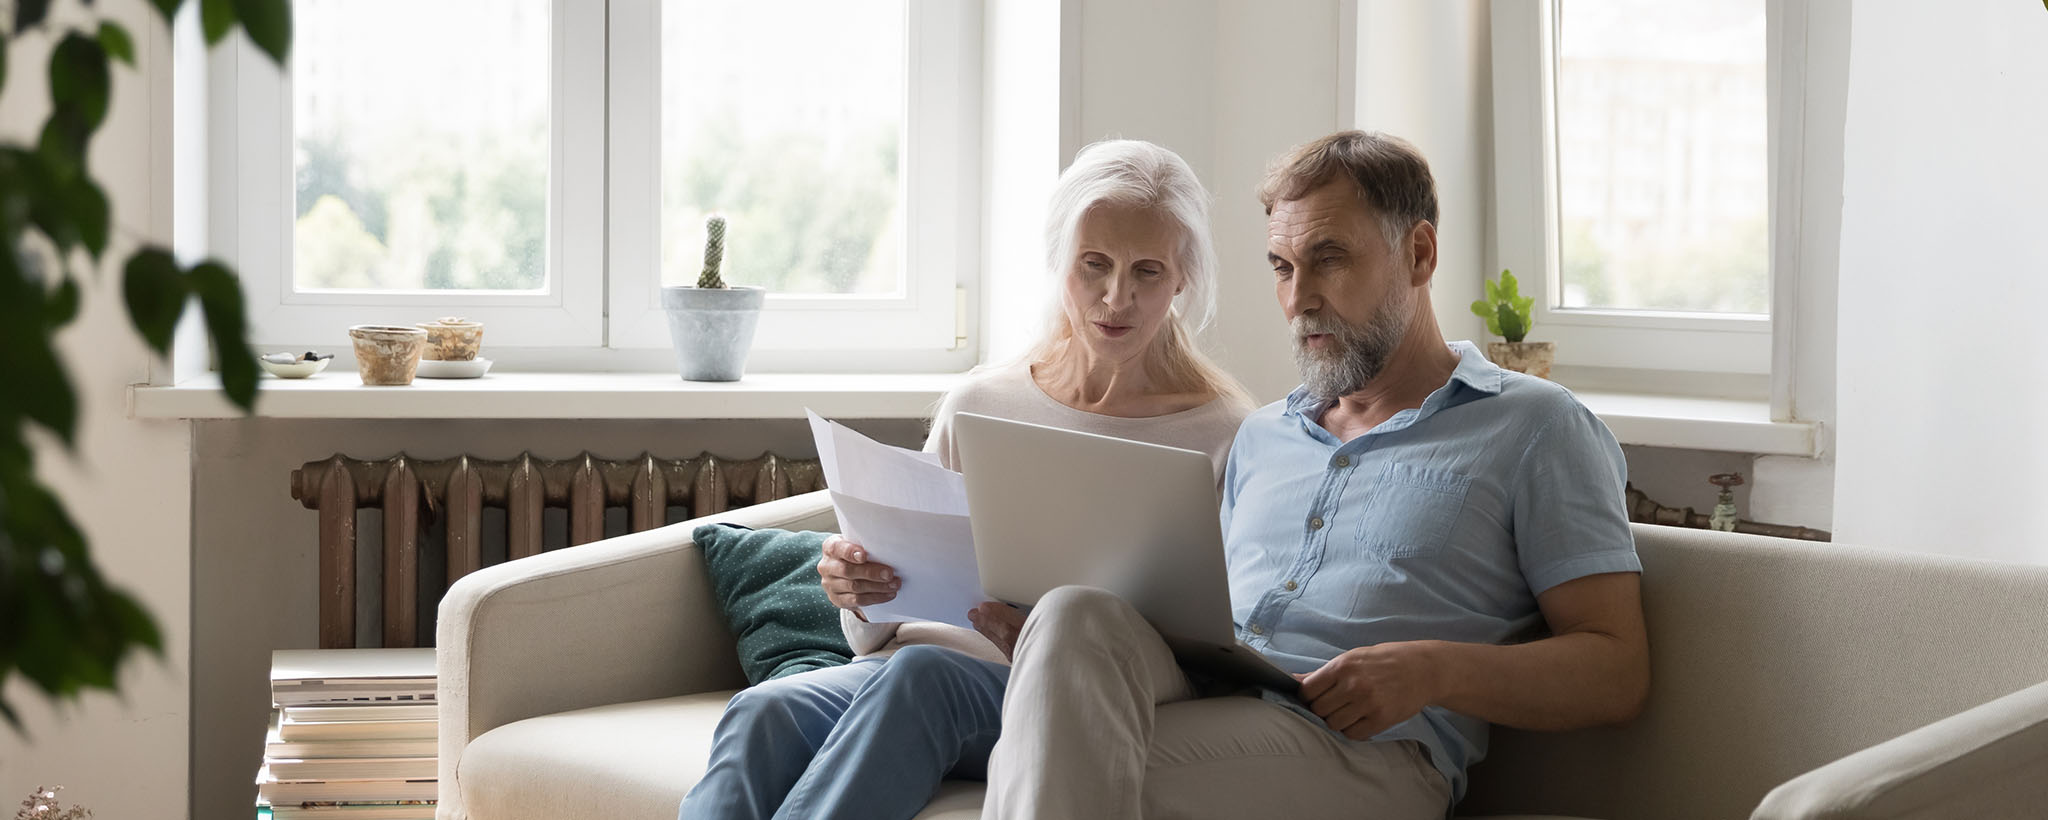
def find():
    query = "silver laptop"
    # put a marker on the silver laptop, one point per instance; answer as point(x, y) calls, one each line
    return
point(1052, 507)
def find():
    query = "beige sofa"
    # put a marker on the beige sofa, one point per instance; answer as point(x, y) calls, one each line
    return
point(1790, 680)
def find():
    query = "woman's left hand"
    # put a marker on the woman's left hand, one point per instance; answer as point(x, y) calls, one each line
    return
point(999, 622)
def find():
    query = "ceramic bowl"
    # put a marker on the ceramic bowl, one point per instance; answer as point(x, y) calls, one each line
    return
point(299, 367)
point(466, 369)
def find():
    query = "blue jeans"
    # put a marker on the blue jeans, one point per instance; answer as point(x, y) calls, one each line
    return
point(871, 739)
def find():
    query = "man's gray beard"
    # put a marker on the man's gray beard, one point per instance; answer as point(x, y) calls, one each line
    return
point(1360, 353)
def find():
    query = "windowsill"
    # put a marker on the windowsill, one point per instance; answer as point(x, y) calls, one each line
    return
point(1730, 425)
point(560, 396)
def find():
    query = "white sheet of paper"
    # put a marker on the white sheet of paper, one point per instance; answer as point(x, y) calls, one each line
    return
point(880, 474)
point(908, 512)
point(932, 552)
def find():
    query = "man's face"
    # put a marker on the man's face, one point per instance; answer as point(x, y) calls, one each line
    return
point(1347, 292)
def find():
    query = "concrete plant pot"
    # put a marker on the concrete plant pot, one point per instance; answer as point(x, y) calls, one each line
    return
point(1533, 358)
point(713, 329)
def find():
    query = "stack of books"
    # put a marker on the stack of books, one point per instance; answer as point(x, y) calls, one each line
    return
point(353, 736)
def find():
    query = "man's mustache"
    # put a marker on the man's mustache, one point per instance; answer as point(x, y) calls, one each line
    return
point(1313, 324)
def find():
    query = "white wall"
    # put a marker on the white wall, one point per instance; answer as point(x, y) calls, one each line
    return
point(1425, 73)
point(1229, 86)
point(128, 485)
point(1945, 182)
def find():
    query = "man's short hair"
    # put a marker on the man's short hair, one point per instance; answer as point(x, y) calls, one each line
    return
point(1389, 172)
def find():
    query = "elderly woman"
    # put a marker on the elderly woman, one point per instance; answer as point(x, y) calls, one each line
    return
point(1127, 240)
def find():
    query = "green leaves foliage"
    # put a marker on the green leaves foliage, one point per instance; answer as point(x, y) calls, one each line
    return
point(168, 8)
point(79, 78)
point(1507, 312)
point(29, 13)
point(220, 295)
point(115, 41)
point(268, 24)
point(155, 292)
point(62, 626)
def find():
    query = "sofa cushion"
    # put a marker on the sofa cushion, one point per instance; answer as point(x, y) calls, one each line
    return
point(625, 761)
point(766, 583)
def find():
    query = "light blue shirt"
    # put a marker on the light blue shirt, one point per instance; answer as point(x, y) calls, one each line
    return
point(1443, 523)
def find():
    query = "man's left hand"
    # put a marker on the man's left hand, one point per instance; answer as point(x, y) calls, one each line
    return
point(1367, 690)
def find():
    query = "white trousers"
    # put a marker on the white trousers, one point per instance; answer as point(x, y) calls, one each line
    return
point(1100, 722)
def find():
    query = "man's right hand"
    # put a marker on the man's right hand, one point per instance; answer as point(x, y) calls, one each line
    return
point(851, 580)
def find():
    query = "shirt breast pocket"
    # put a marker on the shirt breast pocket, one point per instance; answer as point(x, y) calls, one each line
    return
point(1410, 511)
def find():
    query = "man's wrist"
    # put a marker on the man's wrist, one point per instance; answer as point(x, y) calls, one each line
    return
point(1439, 664)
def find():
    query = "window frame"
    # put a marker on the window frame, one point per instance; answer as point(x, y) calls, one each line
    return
point(1526, 207)
point(253, 190)
point(940, 179)
point(601, 309)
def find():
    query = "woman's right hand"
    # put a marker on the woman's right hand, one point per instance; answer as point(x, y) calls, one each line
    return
point(851, 580)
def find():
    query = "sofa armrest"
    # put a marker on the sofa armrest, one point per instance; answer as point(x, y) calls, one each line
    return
point(1984, 762)
point(614, 621)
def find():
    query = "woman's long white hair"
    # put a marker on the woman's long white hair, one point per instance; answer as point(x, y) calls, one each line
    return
point(1139, 173)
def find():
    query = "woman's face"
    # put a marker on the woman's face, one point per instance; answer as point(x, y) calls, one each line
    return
point(1123, 277)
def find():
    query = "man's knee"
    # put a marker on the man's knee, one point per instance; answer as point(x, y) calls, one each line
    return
point(1082, 611)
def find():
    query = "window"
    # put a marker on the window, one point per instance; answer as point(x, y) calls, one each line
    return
point(550, 173)
point(1636, 178)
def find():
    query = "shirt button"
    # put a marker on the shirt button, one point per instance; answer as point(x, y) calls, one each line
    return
point(1315, 523)
point(1258, 630)
point(1290, 586)
point(1343, 461)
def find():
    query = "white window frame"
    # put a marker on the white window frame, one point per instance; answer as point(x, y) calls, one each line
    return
point(940, 179)
point(252, 184)
point(1526, 207)
point(601, 310)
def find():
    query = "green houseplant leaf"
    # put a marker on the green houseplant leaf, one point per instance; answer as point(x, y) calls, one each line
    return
point(155, 293)
point(29, 13)
point(216, 18)
point(268, 24)
point(115, 41)
point(220, 296)
point(1506, 311)
point(168, 8)
point(79, 77)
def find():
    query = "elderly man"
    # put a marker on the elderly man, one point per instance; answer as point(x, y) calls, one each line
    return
point(1432, 544)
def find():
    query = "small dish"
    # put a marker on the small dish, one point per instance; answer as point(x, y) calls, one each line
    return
point(294, 365)
point(462, 369)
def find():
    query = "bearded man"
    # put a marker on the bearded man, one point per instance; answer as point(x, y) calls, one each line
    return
point(1430, 543)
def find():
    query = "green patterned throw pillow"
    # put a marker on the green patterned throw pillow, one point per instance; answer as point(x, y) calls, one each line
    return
point(767, 586)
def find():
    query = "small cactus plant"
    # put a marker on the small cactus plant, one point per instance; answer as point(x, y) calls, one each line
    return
point(714, 252)
point(1506, 311)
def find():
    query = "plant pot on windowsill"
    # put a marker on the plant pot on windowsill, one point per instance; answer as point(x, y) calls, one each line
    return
point(1507, 314)
point(713, 329)
point(712, 325)
point(1533, 358)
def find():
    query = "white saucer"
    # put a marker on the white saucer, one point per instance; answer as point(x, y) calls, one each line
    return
point(433, 369)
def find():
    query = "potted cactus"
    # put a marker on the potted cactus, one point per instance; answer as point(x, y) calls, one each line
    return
point(1508, 315)
point(712, 324)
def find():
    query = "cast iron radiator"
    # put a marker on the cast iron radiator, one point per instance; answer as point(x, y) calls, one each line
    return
point(453, 493)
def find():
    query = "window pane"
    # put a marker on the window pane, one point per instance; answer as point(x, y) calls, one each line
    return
point(1663, 155)
point(787, 117)
point(420, 144)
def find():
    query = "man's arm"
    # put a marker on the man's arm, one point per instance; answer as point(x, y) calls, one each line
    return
point(1593, 670)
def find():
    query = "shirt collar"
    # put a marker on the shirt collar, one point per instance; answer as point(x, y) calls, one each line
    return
point(1473, 370)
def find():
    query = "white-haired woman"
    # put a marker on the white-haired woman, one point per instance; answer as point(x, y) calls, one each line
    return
point(1127, 242)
